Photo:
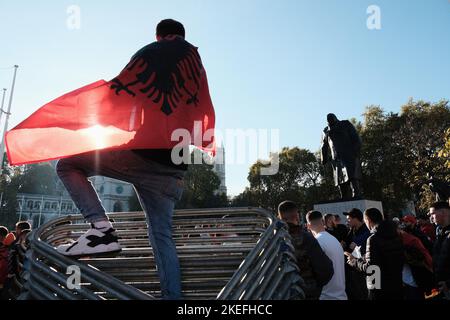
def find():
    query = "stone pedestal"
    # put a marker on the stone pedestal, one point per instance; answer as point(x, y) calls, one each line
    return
point(345, 206)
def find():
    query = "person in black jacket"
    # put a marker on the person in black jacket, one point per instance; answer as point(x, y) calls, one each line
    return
point(339, 231)
point(316, 268)
point(440, 213)
point(356, 241)
point(384, 253)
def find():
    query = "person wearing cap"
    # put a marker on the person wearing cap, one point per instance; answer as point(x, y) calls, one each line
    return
point(412, 227)
point(427, 228)
point(9, 240)
point(418, 268)
point(440, 213)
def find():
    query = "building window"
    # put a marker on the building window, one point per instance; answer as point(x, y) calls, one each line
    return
point(69, 207)
point(37, 205)
point(118, 207)
point(54, 205)
point(47, 206)
point(119, 190)
point(30, 205)
point(63, 207)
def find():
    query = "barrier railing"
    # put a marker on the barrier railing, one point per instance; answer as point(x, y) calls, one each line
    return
point(228, 254)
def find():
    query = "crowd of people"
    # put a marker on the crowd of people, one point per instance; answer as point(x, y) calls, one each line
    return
point(372, 257)
point(13, 246)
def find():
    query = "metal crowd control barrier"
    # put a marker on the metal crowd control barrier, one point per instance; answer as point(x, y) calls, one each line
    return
point(228, 254)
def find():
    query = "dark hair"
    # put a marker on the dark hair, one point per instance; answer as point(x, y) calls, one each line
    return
point(3, 231)
point(440, 205)
point(170, 26)
point(337, 216)
point(355, 213)
point(314, 216)
point(328, 216)
point(286, 206)
point(23, 225)
point(374, 215)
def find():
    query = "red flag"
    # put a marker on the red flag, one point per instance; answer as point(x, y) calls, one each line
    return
point(162, 89)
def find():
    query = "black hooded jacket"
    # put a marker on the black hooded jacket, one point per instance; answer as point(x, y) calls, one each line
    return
point(441, 256)
point(385, 250)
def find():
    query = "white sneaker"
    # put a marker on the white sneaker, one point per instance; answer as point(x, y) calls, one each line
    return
point(93, 242)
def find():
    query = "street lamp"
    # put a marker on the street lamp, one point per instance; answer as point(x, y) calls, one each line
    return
point(8, 113)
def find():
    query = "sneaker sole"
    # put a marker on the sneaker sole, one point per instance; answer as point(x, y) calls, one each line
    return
point(110, 254)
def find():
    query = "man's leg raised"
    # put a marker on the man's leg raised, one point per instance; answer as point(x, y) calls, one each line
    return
point(159, 203)
point(74, 173)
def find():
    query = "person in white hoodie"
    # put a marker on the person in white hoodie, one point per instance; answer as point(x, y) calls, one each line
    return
point(335, 288)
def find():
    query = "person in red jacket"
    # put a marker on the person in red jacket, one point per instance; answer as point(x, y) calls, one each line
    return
point(3, 258)
point(427, 227)
point(412, 227)
point(418, 267)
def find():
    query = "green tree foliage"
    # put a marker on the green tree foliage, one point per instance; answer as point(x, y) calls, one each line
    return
point(298, 179)
point(9, 185)
point(200, 187)
point(445, 152)
point(247, 198)
point(382, 160)
point(399, 154)
point(35, 179)
point(38, 179)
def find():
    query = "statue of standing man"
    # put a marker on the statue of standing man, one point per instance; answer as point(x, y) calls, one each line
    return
point(341, 145)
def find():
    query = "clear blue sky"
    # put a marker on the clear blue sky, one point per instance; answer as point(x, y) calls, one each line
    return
point(271, 64)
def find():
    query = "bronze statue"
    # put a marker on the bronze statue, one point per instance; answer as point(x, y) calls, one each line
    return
point(341, 145)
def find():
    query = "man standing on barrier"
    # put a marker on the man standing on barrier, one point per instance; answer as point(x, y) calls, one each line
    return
point(163, 89)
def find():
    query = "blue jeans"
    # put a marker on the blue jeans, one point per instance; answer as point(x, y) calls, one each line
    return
point(158, 188)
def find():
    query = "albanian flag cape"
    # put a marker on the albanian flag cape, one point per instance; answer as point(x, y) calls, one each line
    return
point(162, 89)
